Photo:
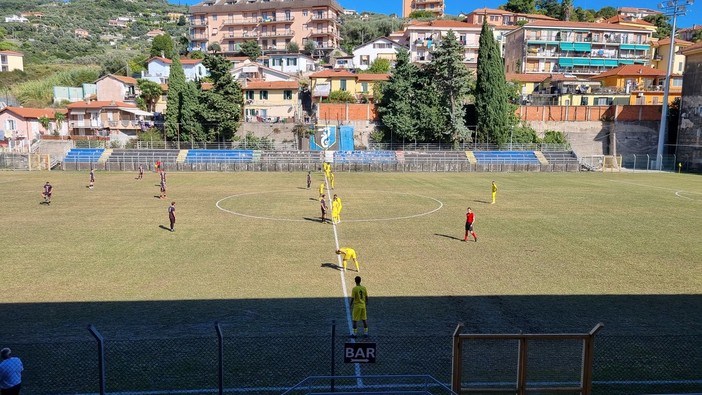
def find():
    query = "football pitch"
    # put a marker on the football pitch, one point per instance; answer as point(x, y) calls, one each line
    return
point(558, 252)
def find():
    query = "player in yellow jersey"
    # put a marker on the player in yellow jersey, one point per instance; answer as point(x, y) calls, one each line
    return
point(321, 190)
point(349, 253)
point(359, 301)
point(336, 209)
point(494, 192)
point(331, 179)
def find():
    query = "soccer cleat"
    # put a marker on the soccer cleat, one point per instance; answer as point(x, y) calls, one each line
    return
point(476, 239)
point(365, 335)
point(352, 335)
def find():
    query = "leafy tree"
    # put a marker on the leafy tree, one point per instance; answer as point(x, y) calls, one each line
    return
point(451, 77)
point(196, 55)
point(428, 103)
point(341, 97)
point(182, 21)
point(60, 119)
point(606, 12)
point(491, 92)
point(221, 106)
point(566, 10)
point(522, 6)
point(582, 15)
point(293, 47)
point(663, 26)
point(379, 66)
point(550, 8)
point(310, 46)
point(214, 47)
point(697, 35)
point(137, 63)
point(44, 121)
point(396, 110)
point(182, 106)
point(150, 93)
point(421, 14)
point(251, 49)
point(554, 137)
point(114, 63)
point(162, 45)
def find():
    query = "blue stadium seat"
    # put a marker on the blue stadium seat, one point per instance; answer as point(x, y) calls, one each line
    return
point(515, 157)
point(83, 155)
point(365, 157)
point(218, 156)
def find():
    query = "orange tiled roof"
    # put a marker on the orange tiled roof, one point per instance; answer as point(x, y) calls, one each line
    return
point(666, 41)
point(446, 24)
point(373, 77)
point(126, 80)
point(13, 53)
point(272, 85)
point(182, 60)
point(631, 70)
point(530, 77)
point(623, 19)
point(27, 112)
point(583, 25)
point(694, 48)
point(99, 104)
point(333, 73)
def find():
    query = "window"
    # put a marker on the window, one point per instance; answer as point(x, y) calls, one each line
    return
point(214, 17)
point(583, 101)
point(343, 85)
point(249, 95)
point(680, 67)
point(287, 95)
point(11, 125)
point(365, 60)
point(263, 95)
point(3, 58)
point(304, 12)
point(364, 87)
point(291, 61)
point(676, 82)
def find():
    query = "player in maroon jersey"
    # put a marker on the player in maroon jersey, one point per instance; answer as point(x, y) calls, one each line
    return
point(323, 206)
point(46, 194)
point(470, 219)
point(171, 215)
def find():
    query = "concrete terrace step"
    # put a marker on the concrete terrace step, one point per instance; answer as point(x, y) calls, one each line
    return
point(540, 156)
point(181, 156)
point(105, 155)
point(471, 157)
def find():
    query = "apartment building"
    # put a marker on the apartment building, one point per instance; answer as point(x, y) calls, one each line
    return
point(497, 17)
point(661, 55)
point(578, 48)
point(688, 148)
point(423, 37)
point(10, 60)
point(636, 12)
point(273, 24)
point(436, 7)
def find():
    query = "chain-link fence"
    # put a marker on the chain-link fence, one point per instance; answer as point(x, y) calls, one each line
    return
point(276, 359)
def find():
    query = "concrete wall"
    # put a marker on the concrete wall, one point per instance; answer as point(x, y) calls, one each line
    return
point(689, 148)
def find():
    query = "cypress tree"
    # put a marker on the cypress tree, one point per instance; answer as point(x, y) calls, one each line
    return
point(176, 86)
point(491, 93)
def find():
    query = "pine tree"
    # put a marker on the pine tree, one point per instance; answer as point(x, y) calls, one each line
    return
point(432, 117)
point(451, 77)
point(221, 106)
point(396, 110)
point(491, 92)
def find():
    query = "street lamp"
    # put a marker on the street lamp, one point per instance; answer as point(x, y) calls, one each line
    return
point(669, 8)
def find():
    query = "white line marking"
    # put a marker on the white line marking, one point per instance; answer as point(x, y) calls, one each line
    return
point(440, 206)
point(677, 192)
point(342, 273)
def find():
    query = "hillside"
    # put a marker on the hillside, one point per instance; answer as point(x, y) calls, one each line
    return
point(50, 35)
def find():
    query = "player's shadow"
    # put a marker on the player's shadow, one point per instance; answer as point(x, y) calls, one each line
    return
point(448, 237)
point(314, 219)
point(482, 201)
point(157, 196)
point(46, 203)
point(313, 199)
point(164, 227)
point(302, 188)
point(330, 266)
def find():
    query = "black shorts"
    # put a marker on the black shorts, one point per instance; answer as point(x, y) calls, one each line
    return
point(469, 226)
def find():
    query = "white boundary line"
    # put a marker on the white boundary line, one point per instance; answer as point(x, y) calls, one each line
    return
point(342, 273)
point(441, 205)
point(676, 191)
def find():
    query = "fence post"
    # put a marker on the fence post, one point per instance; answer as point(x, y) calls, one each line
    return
point(101, 356)
point(588, 356)
point(457, 360)
point(333, 355)
point(220, 358)
point(634, 162)
point(522, 366)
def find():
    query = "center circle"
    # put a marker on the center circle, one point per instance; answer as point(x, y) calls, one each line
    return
point(359, 205)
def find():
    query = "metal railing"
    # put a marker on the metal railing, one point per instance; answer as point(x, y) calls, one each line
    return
point(466, 146)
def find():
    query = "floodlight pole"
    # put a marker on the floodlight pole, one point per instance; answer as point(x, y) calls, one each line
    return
point(672, 8)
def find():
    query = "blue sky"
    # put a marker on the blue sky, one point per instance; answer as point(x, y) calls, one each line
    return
point(454, 7)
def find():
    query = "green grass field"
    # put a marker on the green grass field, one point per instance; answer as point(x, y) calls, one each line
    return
point(558, 252)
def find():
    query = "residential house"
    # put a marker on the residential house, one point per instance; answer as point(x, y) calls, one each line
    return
point(636, 12)
point(566, 90)
point(527, 84)
point(290, 63)
point(688, 149)
point(252, 71)
point(33, 14)
point(436, 7)
point(154, 33)
point(271, 101)
point(118, 23)
point(381, 48)
point(10, 60)
point(81, 33)
point(116, 119)
point(497, 17)
point(579, 48)
point(23, 125)
point(75, 93)
point(16, 19)
point(690, 33)
point(272, 24)
point(159, 69)
point(342, 62)
point(644, 84)
point(117, 87)
point(661, 55)
point(174, 16)
point(361, 85)
point(632, 22)
point(423, 37)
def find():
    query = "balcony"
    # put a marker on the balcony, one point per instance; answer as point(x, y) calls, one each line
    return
point(322, 32)
point(198, 23)
point(198, 37)
point(470, 44)
point(278, 33)
point(421, 2)
point(242, 22)
point(324, 17)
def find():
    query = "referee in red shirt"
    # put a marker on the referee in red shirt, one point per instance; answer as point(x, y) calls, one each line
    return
point(470, 219)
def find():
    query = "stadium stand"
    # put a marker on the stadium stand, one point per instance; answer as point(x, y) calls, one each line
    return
point(445, 156)
point(365, 157)
point(512, 157)
point(293, 157)
point(220, 156)
point(143, 156)
point(83, 155)
point(561, 157)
